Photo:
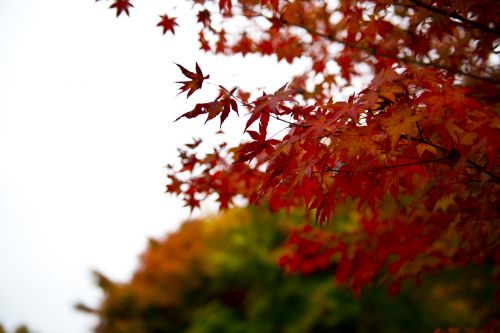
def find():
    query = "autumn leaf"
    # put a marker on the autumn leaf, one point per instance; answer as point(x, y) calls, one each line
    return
point(195, 82)
point(220, 45)
point(167, 23)
point(400, 123)
point(199, 109)
point(274, 3)
point(228, 103)
point(244, 45)
point(225, 5)
point(196, 143)
point(203, 17)
point(121, 6)
point(204, 44)
point(266, 47)
point(268, 103)
point(221, 106)
point(445, 201)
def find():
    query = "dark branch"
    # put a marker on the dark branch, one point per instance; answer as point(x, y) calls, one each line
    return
point(452, 155)
point(292, 124)
point(377, 53)
point(456, 16)
point(482, 169)
point(402, 165)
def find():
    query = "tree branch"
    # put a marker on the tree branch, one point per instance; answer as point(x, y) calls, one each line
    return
point(456, 16)
point(290, 123)
point(377, 53)
point(482, 169)
point(451, 154)
point(402, 165)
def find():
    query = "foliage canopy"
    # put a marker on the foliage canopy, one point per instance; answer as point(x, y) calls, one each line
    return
point(219, 275)
point(415, 150)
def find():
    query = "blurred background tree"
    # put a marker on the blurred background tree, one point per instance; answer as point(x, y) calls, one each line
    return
point(219, 275)
point(19, 329)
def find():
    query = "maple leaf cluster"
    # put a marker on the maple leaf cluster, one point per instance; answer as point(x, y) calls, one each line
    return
point(415, 151)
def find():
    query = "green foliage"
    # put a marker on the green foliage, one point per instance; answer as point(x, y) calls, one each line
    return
point(220, 275)
point(22, 329)
point(19, 329)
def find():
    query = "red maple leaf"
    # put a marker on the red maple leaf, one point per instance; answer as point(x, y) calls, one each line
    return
point(225, 5)
point(121, 6)
point(222, 106)
point(204, 17)
point(266, 104)
point(274, 3)
point(195, 82)
point(167, 24)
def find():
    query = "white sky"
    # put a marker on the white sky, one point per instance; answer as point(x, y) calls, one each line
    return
point(87, 104)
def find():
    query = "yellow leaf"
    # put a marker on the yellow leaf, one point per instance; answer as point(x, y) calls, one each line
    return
point(459, 134)
point(422, 148)
point(354, 143)
point(495, 122)
point(391, 92)
point(399, 123)
point(454, 130)
point(444, 202)
point(468, 138)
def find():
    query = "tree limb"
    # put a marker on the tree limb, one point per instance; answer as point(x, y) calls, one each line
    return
point(377, 53)
point(456, 16)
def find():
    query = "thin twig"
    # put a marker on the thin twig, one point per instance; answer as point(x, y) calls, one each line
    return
point(402, 165)
point(420, 131)
point(288, 122)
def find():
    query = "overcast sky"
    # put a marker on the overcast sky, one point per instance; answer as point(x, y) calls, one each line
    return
point(87, 104)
